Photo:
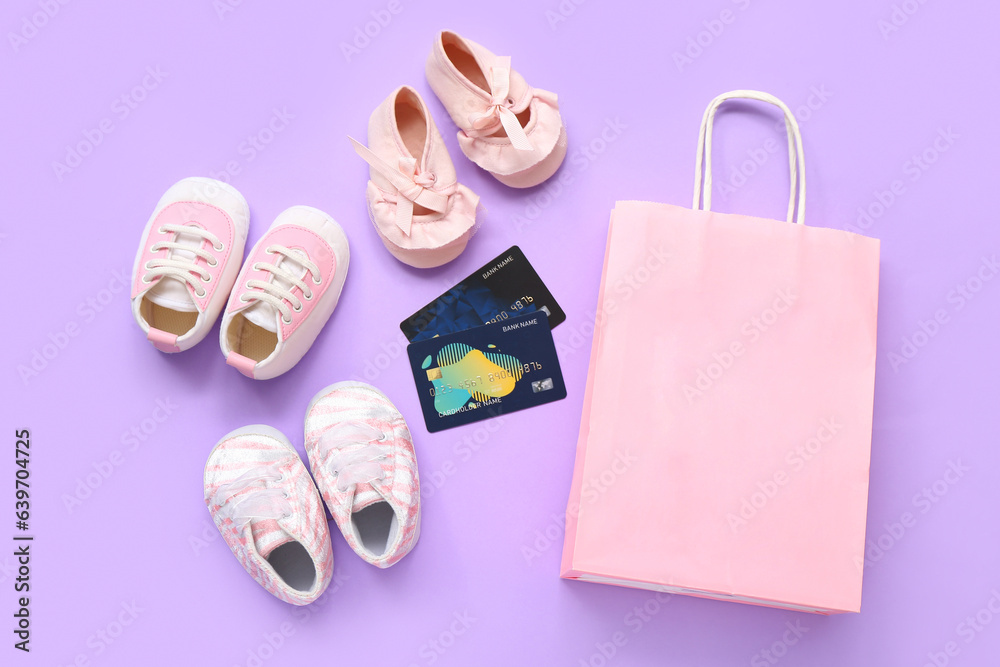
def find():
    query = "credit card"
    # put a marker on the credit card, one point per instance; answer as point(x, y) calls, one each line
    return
point(506, 287)
point(486, 371)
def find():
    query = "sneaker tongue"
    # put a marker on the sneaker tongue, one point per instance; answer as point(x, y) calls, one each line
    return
point(364, 495)
point(173, 294)
point(170, 292)
point(268, 536)
point(264, 314)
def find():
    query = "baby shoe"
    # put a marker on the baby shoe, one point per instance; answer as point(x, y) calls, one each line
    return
point(505, 126)
point(188, 258)
point(361, 454)
point(287, 290)
point(422, 214)
point(267, 508)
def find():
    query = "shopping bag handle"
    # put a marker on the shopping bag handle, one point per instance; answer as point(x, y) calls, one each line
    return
point(796, 159)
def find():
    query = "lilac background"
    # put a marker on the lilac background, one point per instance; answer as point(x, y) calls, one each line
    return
point(144, 535)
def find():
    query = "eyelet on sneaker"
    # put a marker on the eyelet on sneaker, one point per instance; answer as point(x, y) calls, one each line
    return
point(268, 250)
point(288, 321)
point(207, 278)
point(248, 285)
point(317, 280)
point(243, 298)
point(220, 247)
point(201, 295)
point(147, 266)
point(256, 266)
point(214, 263)
point(161, 230)
point(298, 308)
point(307, 297)
point(144, 281)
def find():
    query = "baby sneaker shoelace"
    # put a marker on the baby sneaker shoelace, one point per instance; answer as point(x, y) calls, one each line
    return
point(352, 452)
point(248, 498)
point(180, 263)
point(277, 292)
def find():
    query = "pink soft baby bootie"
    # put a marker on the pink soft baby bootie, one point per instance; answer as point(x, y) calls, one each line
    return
point(421, 212)
point(505, 126)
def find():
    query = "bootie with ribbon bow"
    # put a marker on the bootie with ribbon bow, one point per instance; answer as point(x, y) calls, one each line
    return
point(508, 128)
point(422, 214)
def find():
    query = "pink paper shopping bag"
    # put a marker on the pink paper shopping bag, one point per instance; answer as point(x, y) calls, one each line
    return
point(726, 431)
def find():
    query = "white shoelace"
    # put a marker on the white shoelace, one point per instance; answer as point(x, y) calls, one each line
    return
point(182, 269)
point(276, 295)
point(355, 450)
point(262, 503)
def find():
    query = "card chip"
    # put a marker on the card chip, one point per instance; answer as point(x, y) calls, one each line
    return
point(542, 385)
point(434, 374)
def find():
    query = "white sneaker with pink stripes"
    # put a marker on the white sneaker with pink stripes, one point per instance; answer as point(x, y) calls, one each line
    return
point(267, 508)
point(361, 454)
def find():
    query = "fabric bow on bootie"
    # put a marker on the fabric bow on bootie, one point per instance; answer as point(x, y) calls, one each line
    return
point(413, 187)
point(499, 112)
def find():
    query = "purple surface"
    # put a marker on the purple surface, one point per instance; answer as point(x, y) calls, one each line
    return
point(472, 592)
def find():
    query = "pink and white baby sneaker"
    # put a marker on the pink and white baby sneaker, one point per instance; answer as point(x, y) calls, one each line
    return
point(188, 259)
point(287, 290)
point(267, 508)
point(422, 214)
point(507, 127)
point(361, 454)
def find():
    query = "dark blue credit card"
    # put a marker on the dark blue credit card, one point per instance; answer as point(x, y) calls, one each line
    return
point(486, 371)
point(503, 289)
